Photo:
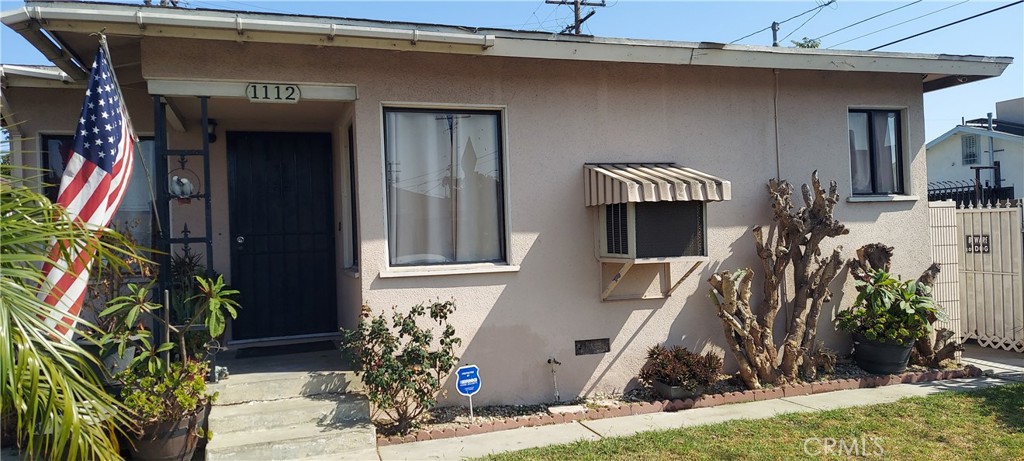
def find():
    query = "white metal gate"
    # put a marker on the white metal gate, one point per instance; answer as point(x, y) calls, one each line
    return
point(991, 289)
point(946, 289)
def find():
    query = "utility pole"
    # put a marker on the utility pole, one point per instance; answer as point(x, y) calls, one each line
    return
point(577, 8)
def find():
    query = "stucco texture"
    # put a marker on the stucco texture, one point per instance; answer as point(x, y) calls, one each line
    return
point(559, 115)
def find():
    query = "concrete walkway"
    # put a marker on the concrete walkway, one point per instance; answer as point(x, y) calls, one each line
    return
point(1005, 364)
point(1002, 367)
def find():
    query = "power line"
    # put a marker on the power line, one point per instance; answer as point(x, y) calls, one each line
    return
point(899, 24)
point(803, 24)
point(817, 8)
point(1018, 2)
point(532, 16)
point(862, 21)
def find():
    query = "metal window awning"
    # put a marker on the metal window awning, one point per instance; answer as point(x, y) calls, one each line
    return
point(611, 183)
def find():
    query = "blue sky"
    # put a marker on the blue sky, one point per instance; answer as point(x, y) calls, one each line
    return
point(997, 34)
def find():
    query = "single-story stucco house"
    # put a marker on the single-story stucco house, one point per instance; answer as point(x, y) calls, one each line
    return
point(560, 188)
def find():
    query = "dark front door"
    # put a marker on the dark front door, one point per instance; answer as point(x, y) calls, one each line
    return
point(282, 234)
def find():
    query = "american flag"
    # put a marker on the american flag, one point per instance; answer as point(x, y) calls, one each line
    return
point(94, 182)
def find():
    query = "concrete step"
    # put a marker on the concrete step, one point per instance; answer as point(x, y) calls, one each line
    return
point(340, 441)
point(324, 409)
point(284, 385)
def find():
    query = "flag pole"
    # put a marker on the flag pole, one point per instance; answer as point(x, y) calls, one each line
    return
point(131, 129)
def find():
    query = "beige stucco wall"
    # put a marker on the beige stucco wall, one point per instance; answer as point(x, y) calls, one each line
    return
point(559, 115)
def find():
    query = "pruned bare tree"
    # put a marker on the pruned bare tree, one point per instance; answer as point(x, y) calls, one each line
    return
point(794, 249)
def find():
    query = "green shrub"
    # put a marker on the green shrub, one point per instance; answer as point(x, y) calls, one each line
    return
point(401, 367)
point(155, 396)
point(677, 366)
point(890, 310)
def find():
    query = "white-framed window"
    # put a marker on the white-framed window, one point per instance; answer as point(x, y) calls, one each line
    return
point(444, 180)
point(969, 142)
point(135, 216)
point(876, 151)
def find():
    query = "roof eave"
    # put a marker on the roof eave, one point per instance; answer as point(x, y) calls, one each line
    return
point(937, 71)
point(976, 131)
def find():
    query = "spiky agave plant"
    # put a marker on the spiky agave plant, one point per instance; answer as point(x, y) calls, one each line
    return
point(48, 383)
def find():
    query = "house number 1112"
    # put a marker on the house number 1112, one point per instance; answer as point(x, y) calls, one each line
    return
point(272, 92)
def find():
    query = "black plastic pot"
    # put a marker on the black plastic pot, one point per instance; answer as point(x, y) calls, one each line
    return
point(881, 358)
point(170, 440)
point(677, 392)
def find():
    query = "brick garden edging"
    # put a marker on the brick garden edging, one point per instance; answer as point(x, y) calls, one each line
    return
point(708, 400)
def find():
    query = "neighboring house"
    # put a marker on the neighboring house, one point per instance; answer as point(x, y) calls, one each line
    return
point(515, 172)
point(953, 156)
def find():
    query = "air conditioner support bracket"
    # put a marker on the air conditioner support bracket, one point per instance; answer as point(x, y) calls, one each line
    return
point(668, 272)
point(667, 285)
point(615, 280)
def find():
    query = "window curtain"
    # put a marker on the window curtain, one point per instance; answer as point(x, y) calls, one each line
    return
point(135, 215)
point(860, 160)
point(886, 152)
point(444, 192)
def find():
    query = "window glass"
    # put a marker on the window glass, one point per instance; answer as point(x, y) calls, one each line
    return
point(875, 152)
point(135, 215)
point(970, 149)
point(860, 157)
point(444, 187)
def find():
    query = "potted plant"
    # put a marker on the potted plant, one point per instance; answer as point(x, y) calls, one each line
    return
point(168, 400)
point(186, 303)
point(887, 317)
point(110, 279)
point(677, 373)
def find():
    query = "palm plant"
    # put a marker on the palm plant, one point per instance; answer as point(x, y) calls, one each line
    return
point(48, 383)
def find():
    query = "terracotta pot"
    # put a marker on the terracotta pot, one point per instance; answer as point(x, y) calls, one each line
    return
point(169, 440)
point(677, 392)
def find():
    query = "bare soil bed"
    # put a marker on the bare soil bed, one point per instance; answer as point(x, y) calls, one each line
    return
point(453, 417)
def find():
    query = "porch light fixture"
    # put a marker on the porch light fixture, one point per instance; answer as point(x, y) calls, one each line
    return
point(211, 130)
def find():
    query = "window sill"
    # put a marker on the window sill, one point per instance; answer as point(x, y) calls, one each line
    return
point(351, 272)
point(881, 198)
point(429, 271)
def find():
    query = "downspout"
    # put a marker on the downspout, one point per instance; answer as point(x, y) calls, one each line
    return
point(991, 151)
point(775, 107)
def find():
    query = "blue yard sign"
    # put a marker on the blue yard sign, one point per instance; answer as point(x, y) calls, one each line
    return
point(468, 380)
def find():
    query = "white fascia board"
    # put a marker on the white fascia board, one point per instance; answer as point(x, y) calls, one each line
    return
point(240, 22)
point(34, 72)
point(14, 16)
point(863, 62)
point(31, 77)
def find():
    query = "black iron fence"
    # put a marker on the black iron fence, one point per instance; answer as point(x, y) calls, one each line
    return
point(968, 192)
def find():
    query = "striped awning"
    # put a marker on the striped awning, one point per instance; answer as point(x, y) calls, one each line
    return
point(609, 183)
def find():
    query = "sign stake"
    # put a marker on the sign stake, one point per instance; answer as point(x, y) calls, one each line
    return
point(467, 382)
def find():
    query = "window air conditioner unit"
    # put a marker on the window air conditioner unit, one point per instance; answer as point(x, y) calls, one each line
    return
point(651, 231)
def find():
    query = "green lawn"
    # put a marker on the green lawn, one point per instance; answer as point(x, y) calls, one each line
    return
point(983, 425)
